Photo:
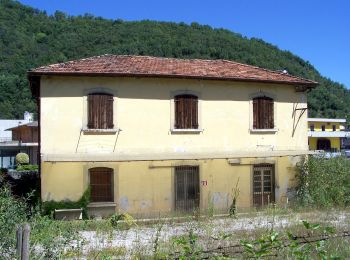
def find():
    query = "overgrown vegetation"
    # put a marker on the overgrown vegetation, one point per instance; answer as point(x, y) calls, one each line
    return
point(324, 182)
point(12, 213)
point(31, 38)
point(48, 207)
point(274, 244)
point(28, 167)
point(272, 233)
point(208, 238)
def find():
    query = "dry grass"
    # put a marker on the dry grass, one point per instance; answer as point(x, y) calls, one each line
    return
point(160, 239)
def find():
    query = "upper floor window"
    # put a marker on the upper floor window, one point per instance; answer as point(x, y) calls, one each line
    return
point(263, 114)
point(323, 127)
point(186, 111)
point(312, 127)
point(334, 127)
point(100, 111)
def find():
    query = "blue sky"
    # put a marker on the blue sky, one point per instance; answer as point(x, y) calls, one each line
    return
point(316, 30)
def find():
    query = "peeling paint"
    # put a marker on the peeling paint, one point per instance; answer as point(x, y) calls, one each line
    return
point(144, 204)
point(220, 199)
point(124, 203)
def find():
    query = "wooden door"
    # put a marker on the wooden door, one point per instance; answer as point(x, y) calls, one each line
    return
point(263, 185)
point(186, 188)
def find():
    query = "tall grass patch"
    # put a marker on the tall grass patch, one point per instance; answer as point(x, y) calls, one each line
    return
point(324, 182)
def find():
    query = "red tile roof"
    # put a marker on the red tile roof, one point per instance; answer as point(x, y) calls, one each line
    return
point(146, 66)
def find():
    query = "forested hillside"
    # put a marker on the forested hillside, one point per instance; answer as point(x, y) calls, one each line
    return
point(30, 38)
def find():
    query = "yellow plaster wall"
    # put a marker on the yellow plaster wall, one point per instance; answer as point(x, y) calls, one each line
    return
point(335, 142)
point(328, 126)
point(147, 188)
point(142, 110)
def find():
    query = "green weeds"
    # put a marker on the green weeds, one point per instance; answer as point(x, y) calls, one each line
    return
point(324, 182)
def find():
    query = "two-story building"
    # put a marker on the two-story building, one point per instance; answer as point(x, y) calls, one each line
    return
point(153, 136)
point(18, 136)
point(326, 134)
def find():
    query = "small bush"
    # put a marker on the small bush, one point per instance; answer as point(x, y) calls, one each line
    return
point(22, 158)
point(28, 167)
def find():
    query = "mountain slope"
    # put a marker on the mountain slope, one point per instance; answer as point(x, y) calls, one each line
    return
point(30, 38)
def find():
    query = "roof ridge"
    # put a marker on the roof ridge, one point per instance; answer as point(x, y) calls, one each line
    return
point(269, 70)
point(212, 60)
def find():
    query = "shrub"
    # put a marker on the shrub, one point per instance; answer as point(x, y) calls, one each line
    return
point(324, 182)
point(22, 158)
point(51, 237)
point(28, 167)
point(48, 238)
point(12, 214)
point(48, 207)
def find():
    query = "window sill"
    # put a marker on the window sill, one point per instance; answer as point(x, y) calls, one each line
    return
point(263, 131)
point(186, 131)
point(101, 204)
point(100, 131)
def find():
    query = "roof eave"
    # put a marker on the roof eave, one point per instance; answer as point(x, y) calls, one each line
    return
point(31, 74)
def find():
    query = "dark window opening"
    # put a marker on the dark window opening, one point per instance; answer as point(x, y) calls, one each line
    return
point(100, 111)
point(101, 184)
point(323, 127)
point(312, 127)
point(186, 112)
point(334, 128)
point(263, 113)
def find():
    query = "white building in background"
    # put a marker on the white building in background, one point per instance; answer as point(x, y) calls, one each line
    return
point(9, 148)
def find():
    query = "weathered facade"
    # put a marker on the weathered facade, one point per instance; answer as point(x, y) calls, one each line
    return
point(169, 142)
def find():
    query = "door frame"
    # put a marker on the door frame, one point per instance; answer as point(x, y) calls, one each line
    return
point(273, 184)
point(173, 186)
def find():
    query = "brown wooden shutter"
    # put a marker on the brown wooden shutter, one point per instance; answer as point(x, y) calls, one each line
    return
point(194, 112)
point(92, 124)
point(101, 185)
point(255, 113)
point(100, 111)
point(178, 112)
point(109, 111)
point(270, 113)
point(263, 113)
point(186, 112)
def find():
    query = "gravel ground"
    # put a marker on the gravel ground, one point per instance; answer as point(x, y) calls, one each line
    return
point(141, 238)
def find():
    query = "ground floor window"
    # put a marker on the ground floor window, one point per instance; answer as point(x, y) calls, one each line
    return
point(186, 188)
point(263, 184)
point(8, 158)
point(101, 184)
